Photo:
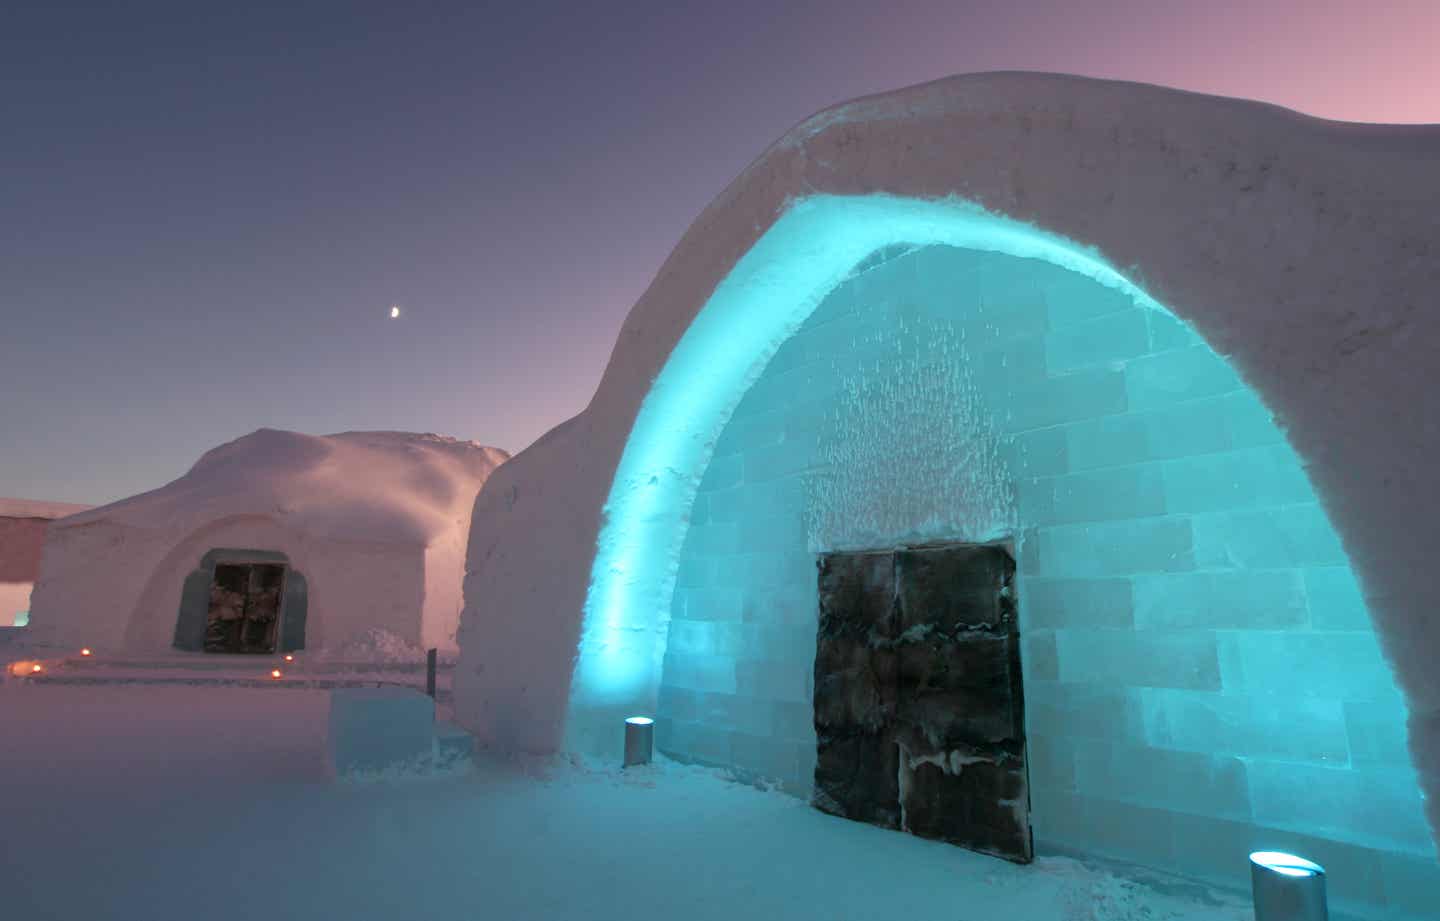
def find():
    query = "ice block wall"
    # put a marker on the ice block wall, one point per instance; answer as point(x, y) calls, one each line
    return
point(1202, 677)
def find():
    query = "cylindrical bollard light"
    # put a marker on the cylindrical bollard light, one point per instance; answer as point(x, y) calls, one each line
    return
point(639, 740)
point(1287, 888)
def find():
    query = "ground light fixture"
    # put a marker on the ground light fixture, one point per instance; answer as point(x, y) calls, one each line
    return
point(86, 651)
point(274, 673)
point(289, 657)
point(36, 669)
point(639, 740)
point(1287, 888)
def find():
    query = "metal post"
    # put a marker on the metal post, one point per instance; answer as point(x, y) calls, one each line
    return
point(1287, 888)
point(430, 658)
point(639, 740)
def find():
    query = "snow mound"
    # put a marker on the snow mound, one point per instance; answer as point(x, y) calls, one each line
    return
point(1090, 893)
point(376, 645)
point(384, 487)
point(419, 769)
point(573, 768)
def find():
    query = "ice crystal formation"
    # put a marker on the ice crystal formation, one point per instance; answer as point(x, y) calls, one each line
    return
point(911, 452)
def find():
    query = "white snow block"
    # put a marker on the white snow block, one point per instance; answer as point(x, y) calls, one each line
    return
point(452, 744)
point(372, 729)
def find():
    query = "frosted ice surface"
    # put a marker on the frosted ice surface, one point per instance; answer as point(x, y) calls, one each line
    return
point(911, 450)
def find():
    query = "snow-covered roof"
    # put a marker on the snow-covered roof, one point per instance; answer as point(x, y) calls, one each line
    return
point(38, 508)
point(379, 487)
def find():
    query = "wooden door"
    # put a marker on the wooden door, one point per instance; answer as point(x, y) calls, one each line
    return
point(244, 613)
point(262, 608)
point(919, 707)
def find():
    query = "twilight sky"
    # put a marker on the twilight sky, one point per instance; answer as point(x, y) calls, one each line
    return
point(206, 213)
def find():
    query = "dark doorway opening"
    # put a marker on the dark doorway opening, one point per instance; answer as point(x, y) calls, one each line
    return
point(919, 707)
point(244, 613)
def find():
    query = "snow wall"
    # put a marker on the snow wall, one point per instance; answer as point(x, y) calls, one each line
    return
point(22, 536)
point(1201, 672)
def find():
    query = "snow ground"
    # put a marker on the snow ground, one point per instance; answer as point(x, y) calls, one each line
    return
point(162, 803)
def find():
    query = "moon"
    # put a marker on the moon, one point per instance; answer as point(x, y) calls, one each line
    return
point(394, 311)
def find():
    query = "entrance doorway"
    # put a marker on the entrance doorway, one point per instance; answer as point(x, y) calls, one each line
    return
point(919, 707)
point(244, 613)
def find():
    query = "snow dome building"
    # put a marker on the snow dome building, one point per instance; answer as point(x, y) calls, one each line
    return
point(274, 542)
point(1016, 455)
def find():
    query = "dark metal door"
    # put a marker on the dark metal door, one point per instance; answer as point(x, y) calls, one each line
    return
point(919, 708)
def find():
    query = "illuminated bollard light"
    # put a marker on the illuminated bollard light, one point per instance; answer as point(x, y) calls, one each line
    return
point(1287, 888)
point(639, 740)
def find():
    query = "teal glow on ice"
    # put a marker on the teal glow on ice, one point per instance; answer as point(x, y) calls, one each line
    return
point(1196, 644)
point(763, 300)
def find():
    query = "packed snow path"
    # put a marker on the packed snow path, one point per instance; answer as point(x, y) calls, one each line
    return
point(180, 803)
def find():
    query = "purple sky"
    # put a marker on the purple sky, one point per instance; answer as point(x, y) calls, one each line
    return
point(206, 214)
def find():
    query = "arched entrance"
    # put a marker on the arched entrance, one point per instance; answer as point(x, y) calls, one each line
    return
point(1195, 645)
point(1297, 247)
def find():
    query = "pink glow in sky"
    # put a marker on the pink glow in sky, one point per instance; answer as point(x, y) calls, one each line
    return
point(209, 209)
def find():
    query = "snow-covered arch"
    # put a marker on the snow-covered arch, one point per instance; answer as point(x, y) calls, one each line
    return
point(1302, 250)
point(800, 259)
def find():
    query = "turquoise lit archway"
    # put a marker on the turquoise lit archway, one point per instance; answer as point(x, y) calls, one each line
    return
point(764, 299)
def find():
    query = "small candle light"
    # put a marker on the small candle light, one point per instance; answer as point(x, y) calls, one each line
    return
point(275, 673)
point(36, 669)
point(85, 651)
point(289, 657)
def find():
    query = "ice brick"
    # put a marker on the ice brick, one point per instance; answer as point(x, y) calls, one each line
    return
point(372, 729)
